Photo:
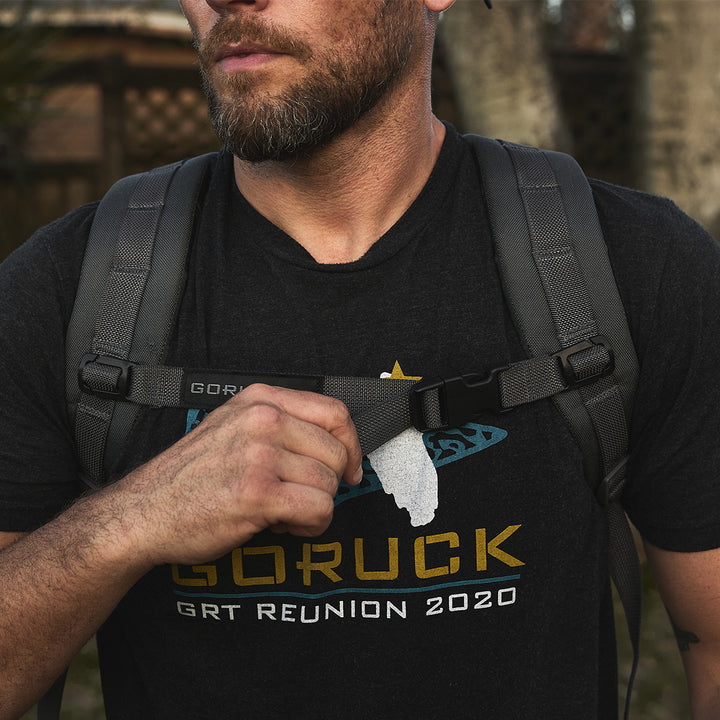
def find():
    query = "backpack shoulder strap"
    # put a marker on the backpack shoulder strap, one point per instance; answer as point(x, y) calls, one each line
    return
point(557, 278)
point(560, 288)
point(130, 287)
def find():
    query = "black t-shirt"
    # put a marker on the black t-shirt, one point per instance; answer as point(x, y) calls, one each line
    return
point(466, 576)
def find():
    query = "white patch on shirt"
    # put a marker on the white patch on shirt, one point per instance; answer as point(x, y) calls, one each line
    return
point(407, 473)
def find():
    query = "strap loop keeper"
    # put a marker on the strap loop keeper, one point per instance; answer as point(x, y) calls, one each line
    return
point(612, 484)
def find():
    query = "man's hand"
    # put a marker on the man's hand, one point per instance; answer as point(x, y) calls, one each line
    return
point(268, 458)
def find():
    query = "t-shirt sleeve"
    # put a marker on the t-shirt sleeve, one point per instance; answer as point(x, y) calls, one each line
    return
point(38, 466)
point(668, 272)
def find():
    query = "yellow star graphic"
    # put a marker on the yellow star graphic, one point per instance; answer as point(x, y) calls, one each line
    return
point(398, 374)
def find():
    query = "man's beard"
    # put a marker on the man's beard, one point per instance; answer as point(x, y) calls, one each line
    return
point(336, 91)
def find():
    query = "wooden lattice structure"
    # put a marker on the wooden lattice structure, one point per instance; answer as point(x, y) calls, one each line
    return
point(121, 101)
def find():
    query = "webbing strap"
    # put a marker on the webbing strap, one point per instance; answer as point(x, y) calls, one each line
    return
point(132, 278)
point(381, 408)
point(559, 287)
point(168, 386)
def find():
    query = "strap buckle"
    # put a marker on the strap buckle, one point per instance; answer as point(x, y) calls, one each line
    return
point(593, 372)
point(104, 382)
point(458, 400)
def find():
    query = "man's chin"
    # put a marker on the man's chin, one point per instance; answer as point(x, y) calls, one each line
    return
point(256, 151)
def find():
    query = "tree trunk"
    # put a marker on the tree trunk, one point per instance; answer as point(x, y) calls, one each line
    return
point(679, 98)
point(500, 71)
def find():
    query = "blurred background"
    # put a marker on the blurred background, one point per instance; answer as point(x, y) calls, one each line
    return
point(91, 90)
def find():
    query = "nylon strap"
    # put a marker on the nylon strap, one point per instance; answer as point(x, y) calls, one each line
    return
point(381, 408)
point(558, 283)
point(168, 386)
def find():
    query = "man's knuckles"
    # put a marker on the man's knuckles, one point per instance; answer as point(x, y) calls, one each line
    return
point(338, 413)
point(313, 519)
point(264, 419)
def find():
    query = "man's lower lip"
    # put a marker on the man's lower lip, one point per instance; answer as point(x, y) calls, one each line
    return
point(238, 63)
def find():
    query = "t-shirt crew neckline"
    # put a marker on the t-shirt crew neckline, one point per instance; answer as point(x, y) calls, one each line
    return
point(427, 204)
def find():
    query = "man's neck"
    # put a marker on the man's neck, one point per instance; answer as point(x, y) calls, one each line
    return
point(337, 203)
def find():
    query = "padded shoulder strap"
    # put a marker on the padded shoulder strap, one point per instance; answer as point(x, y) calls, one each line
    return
point(560, 288)
point(556, 274)
point(132, 280)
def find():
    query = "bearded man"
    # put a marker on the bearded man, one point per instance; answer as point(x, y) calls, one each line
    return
point(248, 562)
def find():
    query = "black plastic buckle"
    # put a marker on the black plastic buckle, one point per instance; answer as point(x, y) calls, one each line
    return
point(571, 378)
point(461, 399)
point(120, 391)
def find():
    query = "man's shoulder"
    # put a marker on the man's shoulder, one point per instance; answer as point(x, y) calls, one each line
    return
point(53, 254)
point(65, 238)
point(73, 228)
point(618, 205)
point(643, 227)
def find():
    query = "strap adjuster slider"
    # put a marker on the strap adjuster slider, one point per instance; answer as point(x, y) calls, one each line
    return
point(599, 364)
point(98, 375)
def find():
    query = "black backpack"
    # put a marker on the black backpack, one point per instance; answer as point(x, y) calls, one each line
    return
point(556, 278)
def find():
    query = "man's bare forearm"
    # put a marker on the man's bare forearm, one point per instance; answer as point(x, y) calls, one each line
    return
point(267, 458)
point(57, 586)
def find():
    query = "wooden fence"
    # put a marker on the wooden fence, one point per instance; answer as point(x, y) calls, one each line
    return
point(147, 116)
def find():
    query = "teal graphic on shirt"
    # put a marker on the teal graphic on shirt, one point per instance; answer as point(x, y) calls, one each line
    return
point(443, 446)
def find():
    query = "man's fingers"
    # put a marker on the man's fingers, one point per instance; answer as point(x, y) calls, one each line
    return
point(314, 472)
point(317, 413)
point(268, 458)
point(299, 509)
